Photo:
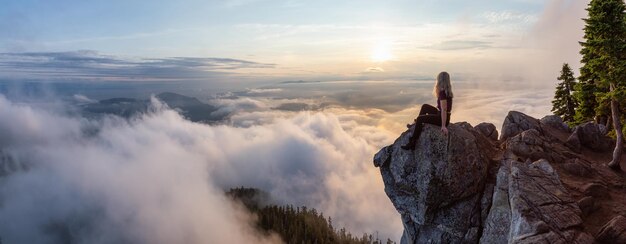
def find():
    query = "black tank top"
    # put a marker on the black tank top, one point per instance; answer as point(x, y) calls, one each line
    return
point(442, 96)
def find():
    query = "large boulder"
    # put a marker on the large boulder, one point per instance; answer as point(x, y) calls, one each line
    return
point(555, 121)
point(488, 130)
point(590, 135)
point(532, 144)
point(541, 209)
point(437, 188)
point(573, 142)
point(517, 122)
point(530, 206)
point(528, 144)
point(587, 205)
point(614, 231)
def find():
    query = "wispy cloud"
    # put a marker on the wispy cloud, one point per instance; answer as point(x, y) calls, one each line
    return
point(510, 16)
point(375, 69)
point(91, 65)
point(238, 3)
point(459, 45)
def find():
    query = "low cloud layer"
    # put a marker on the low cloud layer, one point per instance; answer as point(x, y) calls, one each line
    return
point(93, 66)
point(474, 102)
point(73, 180)
point(158, 178)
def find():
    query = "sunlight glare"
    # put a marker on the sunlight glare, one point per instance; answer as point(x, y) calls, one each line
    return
point(381, 52)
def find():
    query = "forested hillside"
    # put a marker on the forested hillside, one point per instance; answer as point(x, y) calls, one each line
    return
point(295, 224)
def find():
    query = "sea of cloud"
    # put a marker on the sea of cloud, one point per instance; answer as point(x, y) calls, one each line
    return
point(159, 178)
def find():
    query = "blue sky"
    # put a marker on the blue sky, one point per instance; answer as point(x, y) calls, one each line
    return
point(302, 39)
point(63, 20)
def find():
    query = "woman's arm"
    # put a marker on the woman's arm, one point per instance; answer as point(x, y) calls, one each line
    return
point(444, 115)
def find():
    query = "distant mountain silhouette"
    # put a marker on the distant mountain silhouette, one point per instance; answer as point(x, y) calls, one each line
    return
point(190, 107)
point(124, 107)
point(300, 81)
point(120, 100)
point(175, 99)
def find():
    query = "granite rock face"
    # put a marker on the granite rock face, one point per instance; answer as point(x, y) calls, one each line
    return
point(556, 122)
point(529, 206)
point(517, 122)
point(529, 144)
point(573, 142)
point(591, 135)
point(488, 130)
point(497, 225)
point(437, 188)
point(614, 231)
point(541, 210)
point(463, 188)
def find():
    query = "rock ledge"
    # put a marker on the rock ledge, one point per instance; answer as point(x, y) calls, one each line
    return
point(469, 188)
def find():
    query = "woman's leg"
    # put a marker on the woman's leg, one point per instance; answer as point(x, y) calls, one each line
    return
point(434, 119)
point(428, 109)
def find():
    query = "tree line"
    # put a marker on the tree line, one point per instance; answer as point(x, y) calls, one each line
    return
point(296, 224)
point(600, 93)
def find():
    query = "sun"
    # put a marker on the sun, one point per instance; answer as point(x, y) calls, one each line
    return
point(381, 52)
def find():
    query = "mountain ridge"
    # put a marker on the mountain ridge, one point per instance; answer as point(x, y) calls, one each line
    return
point(190, 107)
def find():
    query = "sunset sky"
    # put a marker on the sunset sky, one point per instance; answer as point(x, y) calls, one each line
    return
point(308, 91)
point(482, 40)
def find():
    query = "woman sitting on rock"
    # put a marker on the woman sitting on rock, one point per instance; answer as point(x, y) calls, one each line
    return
point(431, 115)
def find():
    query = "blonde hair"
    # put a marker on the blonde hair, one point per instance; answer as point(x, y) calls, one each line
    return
point(443, 84)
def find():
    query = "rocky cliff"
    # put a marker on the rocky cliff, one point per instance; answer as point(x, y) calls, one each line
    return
point(541, 182)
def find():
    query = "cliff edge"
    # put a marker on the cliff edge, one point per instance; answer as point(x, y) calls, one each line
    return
point(541, 182)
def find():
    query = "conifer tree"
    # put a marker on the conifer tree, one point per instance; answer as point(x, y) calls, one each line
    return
point(564, 103)
point(604, 58)
point(585, 89)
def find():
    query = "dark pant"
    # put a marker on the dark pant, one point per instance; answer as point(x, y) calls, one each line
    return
point(429, 115)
